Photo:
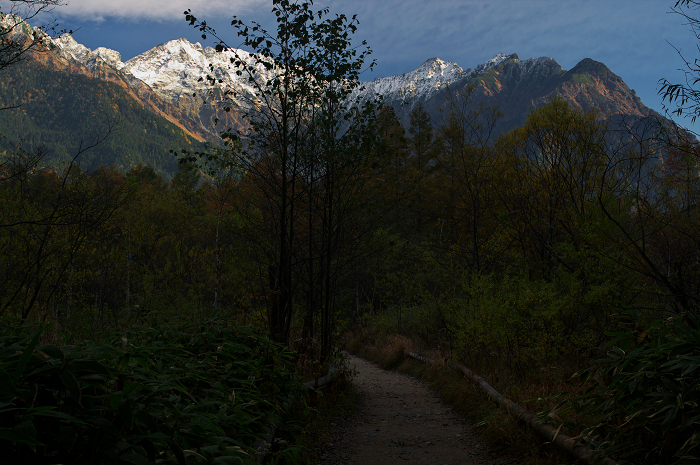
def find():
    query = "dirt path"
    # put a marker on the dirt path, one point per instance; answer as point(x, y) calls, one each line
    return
point(401, 420)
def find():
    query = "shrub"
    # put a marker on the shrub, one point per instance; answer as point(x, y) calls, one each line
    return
point(643, 403)
point(172, 393)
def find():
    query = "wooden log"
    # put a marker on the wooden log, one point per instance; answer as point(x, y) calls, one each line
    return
point(563, 442)
point(322, 381)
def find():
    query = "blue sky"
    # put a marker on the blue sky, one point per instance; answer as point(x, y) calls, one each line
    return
point(633, 38)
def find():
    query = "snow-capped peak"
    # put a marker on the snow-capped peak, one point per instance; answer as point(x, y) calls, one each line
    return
point(435, 66)
point(433, 75)
point(175, 67)
point(493, 62)
point(88, 57)
point(16, 25)
point(429, 77)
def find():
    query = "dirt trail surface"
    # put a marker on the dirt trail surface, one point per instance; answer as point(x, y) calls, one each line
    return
point(401, 420)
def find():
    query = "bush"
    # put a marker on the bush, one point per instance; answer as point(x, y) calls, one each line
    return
point(643, 402)
point(172, 393)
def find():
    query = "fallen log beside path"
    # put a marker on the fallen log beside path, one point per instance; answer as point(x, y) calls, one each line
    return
point(562, 441)
point(322, 381)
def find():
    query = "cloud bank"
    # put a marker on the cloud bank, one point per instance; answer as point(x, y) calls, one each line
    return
point(154, 10)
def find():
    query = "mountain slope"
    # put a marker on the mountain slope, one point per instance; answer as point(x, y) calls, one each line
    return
point(69, 56)
point(64, 105)
point(173, 70)
point(515, 86)
point(61, 111)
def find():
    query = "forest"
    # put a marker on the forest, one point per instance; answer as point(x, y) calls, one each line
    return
point(154, 320)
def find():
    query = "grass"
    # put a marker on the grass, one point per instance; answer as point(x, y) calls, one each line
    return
point(582, 79)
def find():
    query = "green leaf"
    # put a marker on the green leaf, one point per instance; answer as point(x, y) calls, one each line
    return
point(21, 434)
point(178, 452)
point(67, 436)
point(149, 448)
point(105, 426)
point(125, 412)
point(52, 351)
point(27, 432)
point(71, 385)
point(22, 364)
point(56, 414)
point(191, 453)
point(136, 459)
point(668, 421)
point(227, 460)
point(210, 450)
point(7, 385)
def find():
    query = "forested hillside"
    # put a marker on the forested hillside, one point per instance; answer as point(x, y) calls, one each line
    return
point(62, 112)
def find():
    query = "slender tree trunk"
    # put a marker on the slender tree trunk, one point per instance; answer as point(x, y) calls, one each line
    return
point(217, 271)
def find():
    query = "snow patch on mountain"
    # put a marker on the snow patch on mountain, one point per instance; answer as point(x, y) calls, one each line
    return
point(16, 25)
point(429, 77)
point(423, 82)
point(492, 63)
point(90, 58)
point(66, 44)
point(178, 67)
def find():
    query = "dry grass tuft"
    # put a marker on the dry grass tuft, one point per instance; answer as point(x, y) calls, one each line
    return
point(394, 351)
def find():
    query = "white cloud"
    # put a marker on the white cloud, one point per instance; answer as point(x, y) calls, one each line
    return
point(98, 10)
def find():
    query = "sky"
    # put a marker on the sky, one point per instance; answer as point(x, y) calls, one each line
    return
point(636, 39)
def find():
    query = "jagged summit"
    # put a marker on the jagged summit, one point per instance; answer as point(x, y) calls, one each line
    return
point(87, 57)
point(423, 82)
point(495, 61)
point(16, 25)
point(435, 66)
point(174, 68)
point(590, 66)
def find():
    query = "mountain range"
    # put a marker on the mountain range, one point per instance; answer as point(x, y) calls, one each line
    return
point(165, 81)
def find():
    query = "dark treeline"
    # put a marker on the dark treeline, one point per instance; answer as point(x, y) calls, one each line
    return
point(532, 243)
point(539, 241)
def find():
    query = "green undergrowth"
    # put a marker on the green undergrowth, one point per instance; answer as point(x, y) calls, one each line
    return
point(642, 402)
point(328, 406)
point(195, 393)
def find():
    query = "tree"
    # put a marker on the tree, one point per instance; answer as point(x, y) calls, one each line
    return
point(467, 160)
point(685, 96)
point(422, 157)
point(303, 132)
point(14, 45)
point(394, 149)
point(46, 219)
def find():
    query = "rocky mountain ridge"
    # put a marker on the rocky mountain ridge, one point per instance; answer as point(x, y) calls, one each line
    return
point(171, 73)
